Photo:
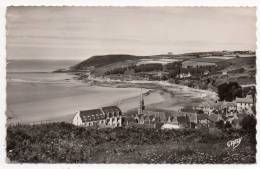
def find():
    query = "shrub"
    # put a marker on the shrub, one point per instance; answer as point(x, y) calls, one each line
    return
point(249, 124)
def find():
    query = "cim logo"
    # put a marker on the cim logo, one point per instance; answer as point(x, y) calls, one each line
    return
point(234, 143)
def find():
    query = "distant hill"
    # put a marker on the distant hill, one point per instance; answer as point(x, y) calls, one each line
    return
point(103, 60)
point(100, 64)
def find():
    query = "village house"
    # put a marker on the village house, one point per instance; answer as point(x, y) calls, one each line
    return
point(209, 107)
point(230, 106)
point(172, 123)
point(110, 116)
point(244, 103)
point(145, 120)
point(164, 119)
point(183, 75)
point(223, 106)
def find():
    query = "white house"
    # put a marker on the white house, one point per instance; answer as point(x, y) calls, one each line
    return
point(110, 116)
point(183, 75)
point(244, 103)
point(172, 123)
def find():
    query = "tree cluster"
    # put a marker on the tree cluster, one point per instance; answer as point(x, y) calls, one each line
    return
point(229, 91)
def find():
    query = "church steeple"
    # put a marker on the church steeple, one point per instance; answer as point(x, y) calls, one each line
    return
point(141, 103)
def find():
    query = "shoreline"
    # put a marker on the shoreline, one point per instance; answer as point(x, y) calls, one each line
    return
point(59, 101)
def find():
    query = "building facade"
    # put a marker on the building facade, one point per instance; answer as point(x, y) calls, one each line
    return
point(110, 116)
point(244, 103)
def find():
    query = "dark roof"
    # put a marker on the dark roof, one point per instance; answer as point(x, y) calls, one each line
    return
point(157, 114)
point(247, 99)
point(97, 114)
point(130, 119)
point(91, 115)
point(111, 109)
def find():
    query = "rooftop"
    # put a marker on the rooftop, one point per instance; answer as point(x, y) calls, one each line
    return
point(92, 115)
point(247, 99)
point(97, 114)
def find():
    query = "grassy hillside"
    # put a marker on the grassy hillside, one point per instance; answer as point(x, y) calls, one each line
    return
point(61, 142)
point(101, 70)
point(103, 60)
point(246, 76)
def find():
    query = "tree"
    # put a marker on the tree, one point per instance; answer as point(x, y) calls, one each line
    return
point(200, 112)
point(249, 124)
point(229, 91)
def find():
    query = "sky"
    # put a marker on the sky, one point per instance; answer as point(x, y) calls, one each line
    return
point(81, 32)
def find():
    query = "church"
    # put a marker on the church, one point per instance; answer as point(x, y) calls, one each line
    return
point(110, 116)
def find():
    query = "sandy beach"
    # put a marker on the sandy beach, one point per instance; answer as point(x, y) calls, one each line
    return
point(42, 96)
point(30, 102)
point(35, 102)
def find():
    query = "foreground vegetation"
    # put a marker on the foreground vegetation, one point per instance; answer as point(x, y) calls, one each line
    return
point(62, 142)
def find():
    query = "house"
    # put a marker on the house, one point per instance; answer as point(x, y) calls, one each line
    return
point(224, 73)
point(208, 121)
point(209, 107)
point(149, 117)
point(145, 121)
point(191, 113)
point(110, 116)
point(245, 103)
point(230, 106)
point(183, 74)
point(172, 123)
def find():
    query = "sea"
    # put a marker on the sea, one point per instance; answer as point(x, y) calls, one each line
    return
point(36, 94)
point(38, 71)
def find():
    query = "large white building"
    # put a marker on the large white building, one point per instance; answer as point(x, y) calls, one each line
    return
point(110, 116)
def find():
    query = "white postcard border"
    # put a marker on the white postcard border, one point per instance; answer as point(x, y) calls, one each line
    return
point(216, 3)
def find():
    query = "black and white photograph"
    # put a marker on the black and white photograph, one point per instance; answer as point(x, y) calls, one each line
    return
point(130, 85)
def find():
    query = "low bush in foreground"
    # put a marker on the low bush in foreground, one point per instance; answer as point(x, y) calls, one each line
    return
point(62, 142)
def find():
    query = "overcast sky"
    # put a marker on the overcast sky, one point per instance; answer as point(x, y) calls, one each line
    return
point(80, 32)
